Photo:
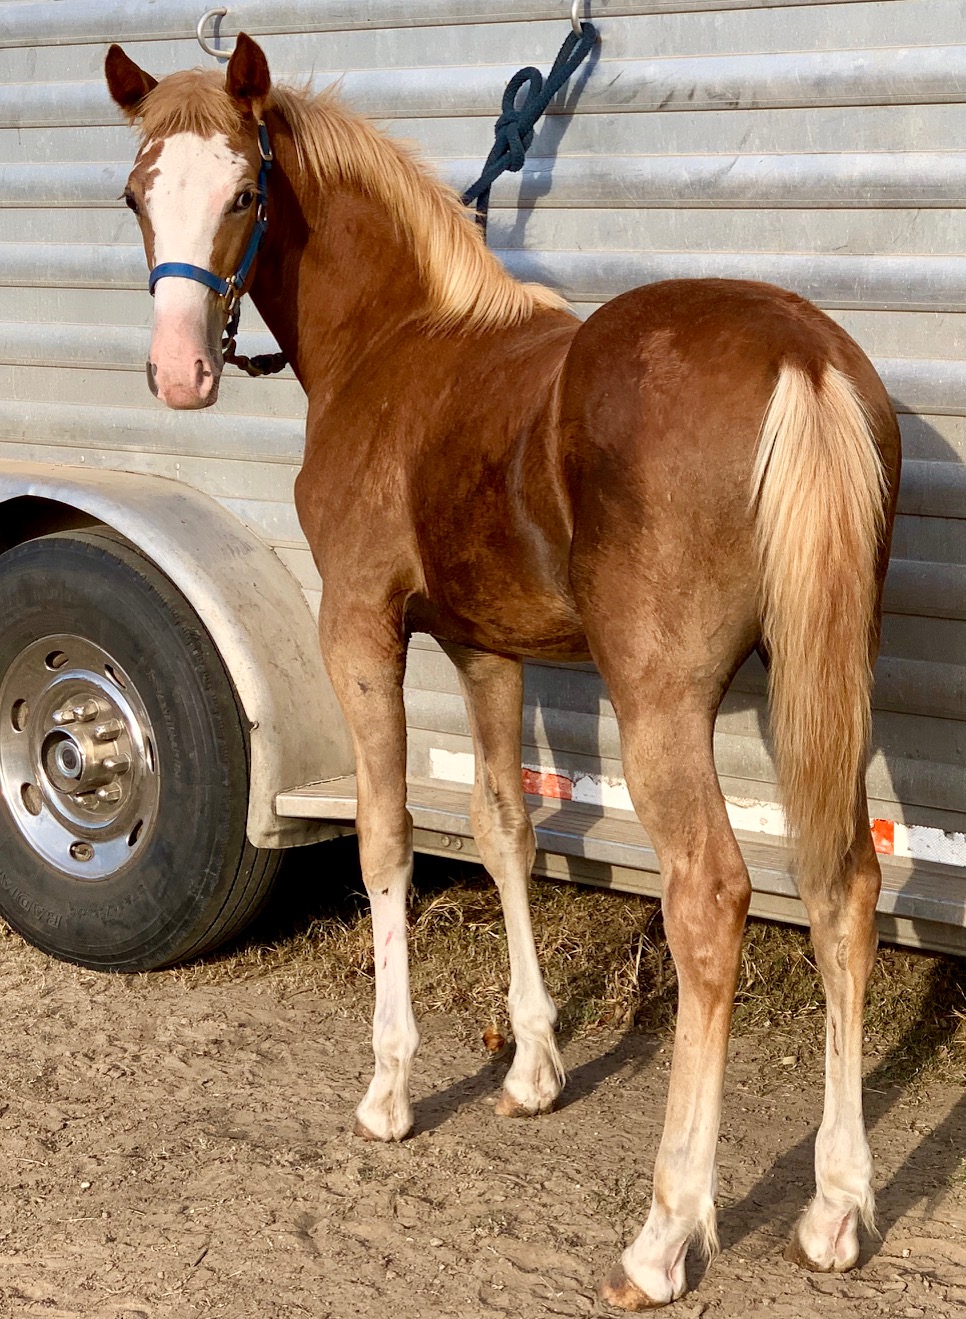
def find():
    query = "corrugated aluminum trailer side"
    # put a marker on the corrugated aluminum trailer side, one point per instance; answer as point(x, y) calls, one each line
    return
point(815, 145)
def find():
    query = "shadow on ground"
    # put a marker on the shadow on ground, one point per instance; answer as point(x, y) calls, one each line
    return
point(925, 1173)
point(323, 882)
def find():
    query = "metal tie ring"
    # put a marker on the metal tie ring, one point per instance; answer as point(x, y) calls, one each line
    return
point(214, 51)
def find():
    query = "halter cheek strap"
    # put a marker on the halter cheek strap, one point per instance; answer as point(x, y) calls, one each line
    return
point(229, 289)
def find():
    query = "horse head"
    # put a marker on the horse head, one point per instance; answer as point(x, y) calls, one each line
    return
point(198, 191)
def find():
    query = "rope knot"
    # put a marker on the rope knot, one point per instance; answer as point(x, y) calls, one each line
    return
point(512, 145)
point(514, 128)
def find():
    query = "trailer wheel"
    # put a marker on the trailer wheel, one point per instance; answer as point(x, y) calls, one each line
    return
point(123, 762)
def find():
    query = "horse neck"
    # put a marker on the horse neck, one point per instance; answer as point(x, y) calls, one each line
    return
point(335, 280)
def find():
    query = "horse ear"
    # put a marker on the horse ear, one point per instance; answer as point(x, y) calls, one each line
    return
point(127, 83)
point(248, 79)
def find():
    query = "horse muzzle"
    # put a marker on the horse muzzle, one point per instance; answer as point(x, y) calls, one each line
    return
point(195, 388)
point(182, 369)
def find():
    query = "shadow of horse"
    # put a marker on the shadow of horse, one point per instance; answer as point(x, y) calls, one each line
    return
point(927, 1170)
point(630, 1054)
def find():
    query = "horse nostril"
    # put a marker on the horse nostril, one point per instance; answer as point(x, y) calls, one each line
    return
point(151, 371)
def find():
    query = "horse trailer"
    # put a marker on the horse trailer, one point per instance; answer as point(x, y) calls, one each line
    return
point(166, 724)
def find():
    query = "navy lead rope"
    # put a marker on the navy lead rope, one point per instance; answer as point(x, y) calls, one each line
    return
point(514, 128)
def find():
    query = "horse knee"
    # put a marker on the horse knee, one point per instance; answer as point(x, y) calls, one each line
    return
point(386, 858)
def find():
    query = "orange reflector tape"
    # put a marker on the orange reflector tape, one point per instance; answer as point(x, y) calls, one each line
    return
point(543, 783)
point(884, 836)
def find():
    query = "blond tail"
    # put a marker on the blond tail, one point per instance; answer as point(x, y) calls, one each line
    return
point(819, 493)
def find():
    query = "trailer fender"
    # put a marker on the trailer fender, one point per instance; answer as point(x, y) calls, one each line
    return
point(249, 602)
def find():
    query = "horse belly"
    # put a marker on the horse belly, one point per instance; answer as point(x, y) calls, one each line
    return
point(499, 602)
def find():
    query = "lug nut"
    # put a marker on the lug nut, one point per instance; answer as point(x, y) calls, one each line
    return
point(117, 764)
point(80, 712)
point(109, 731)
point(87, 801)
point(110, 793)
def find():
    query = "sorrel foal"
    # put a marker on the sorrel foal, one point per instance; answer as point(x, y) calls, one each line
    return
point(703, 468)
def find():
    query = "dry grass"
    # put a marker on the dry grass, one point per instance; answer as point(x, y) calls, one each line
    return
point(604, 954)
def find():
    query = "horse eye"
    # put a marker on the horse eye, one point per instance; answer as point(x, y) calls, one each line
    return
point(130, 202)
point(244, 200)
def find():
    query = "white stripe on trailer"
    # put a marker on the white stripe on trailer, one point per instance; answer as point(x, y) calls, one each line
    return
point(892, 838)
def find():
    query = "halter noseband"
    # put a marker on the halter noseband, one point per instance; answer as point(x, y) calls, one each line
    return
point(229, 290)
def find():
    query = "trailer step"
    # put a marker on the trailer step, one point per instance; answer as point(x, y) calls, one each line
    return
point(922, 904)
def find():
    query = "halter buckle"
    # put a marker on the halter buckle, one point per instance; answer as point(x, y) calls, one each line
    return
point(232, 295)
point(264, 144)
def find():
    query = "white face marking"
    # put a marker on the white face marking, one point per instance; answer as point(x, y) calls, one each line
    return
point(190, 186)
point(193, 180)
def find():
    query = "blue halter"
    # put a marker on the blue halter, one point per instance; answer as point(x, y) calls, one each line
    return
point(230, 290)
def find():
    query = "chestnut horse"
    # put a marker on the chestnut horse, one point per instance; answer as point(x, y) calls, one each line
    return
point(702, 468)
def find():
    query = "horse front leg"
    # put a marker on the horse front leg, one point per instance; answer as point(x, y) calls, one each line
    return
point(365, 656)
point(493, 690)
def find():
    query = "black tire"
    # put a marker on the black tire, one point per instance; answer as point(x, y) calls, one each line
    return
point(191, 880)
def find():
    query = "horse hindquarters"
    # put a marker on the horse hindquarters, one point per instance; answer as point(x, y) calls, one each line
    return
point(664, 574)
point(672, 569)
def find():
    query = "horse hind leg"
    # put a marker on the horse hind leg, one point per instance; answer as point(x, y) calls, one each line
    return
point(670, 772)
point(493, 689)
point(842, 917)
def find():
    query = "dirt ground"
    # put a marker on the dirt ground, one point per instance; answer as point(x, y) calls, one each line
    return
point(180, 1146)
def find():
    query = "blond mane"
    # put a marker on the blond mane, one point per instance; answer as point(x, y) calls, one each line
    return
point(465, 282)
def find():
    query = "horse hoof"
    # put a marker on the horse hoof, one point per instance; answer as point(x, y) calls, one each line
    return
point(795, 1254)
point(507, 1106)
point(618, 1290)
point(360, 1129)
point(839, 1259)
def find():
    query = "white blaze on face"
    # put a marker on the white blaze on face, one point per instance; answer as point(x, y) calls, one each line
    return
point(192, 182)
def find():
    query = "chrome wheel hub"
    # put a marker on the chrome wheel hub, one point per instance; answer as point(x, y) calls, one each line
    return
point(77, 761)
